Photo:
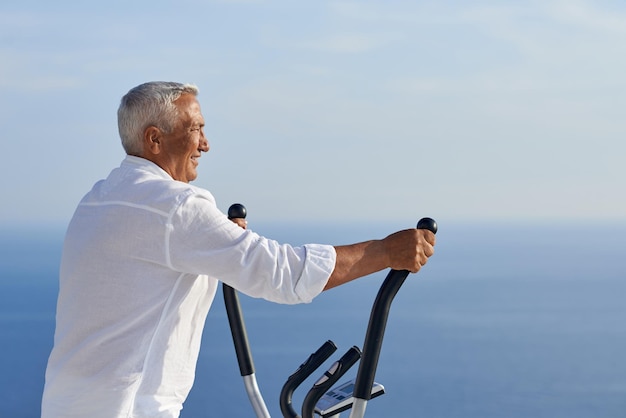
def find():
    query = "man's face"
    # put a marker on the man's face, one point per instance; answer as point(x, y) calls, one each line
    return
point(181, 148)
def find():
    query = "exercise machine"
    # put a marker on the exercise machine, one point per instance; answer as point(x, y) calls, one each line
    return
point(322, 399)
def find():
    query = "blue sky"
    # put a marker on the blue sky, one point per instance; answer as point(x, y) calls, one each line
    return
point(330, 110)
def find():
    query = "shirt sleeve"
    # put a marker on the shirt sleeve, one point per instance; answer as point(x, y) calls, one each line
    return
point(203, 241)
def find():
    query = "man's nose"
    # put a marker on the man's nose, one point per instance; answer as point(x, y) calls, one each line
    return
point(204, 144)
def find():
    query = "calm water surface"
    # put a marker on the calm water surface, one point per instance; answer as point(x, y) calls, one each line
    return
point(506, 320)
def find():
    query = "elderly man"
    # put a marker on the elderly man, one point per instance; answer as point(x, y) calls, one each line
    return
point(141, 262)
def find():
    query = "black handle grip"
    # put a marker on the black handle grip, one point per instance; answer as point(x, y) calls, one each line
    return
point(427, 223)
point(238, 330)
point(233, 310)
point(378, 321)
point(314, 361)
point(237, 210)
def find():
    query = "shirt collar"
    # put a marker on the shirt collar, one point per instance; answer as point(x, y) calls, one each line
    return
point(147, 165)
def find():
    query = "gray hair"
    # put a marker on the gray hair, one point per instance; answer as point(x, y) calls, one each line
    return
point(149, 104)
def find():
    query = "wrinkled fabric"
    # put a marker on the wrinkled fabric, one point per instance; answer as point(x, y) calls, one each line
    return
point(140, 267)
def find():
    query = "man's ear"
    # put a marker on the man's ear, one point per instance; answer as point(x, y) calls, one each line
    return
point(152, 140)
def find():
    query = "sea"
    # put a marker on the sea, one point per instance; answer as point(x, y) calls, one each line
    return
point(507, 320)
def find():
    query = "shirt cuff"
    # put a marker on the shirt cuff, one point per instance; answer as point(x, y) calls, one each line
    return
point(318, 266)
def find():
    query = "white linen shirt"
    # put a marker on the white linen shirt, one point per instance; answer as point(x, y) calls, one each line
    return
point(140, 267)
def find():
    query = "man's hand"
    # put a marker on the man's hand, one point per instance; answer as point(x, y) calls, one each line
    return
point(241, 222)
point(409, 249)
point(403, 250)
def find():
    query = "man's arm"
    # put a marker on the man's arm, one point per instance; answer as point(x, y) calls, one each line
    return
point(403, 250)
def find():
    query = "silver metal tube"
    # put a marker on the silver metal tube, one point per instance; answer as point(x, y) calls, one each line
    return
point(358, 408)
point(254, 394)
